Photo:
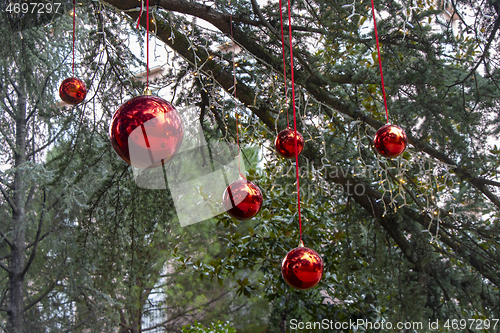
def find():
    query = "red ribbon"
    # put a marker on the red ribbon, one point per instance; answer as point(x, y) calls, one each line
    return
point(294, 120)
point(380, 62)
point(284, 62)
point(74, 31)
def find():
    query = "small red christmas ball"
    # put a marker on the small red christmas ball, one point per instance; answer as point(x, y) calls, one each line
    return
point(146, 131)
point(242, 199)
point(285, 143)
point(302, 268)
point(72, 90)
point(390, 141)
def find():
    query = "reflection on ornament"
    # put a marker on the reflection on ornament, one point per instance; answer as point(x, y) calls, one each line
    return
point(302, 268)
point(72, 90)
point(285, 143)
point(146, 131)
point(390, 140)
point(242, 199)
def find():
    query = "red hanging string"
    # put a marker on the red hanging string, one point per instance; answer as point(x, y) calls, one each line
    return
point(234, 91)
point(234, 64)
point(140, 15)
point(147, 44)
point(294, 120)
point(147, 38)
point(284, 62)
point(380, 62)
point(74, 31)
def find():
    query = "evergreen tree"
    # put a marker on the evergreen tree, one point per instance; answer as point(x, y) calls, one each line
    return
point(407, 239)
point(424, 220)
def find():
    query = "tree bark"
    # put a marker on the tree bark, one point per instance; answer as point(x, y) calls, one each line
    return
point(18, 248)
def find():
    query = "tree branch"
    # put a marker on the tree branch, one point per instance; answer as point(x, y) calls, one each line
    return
point(5, 268)
point(37, 237)
point(40, 95)
point(489, 182)
point(5, 136)
point(221, 21)
point(41, 296)
point(5, 238)
point(9, 200)
point(247, 96)
point(297, 54)
point(3, 182)
point(483, 56)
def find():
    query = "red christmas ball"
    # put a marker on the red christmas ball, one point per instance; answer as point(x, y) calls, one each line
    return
point(72, 90)
point(242, 199)
point(390, 141)
point(302, 268)
point(145, 131)
point(285, 143)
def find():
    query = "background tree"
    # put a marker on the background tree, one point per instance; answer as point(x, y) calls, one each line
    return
point(417, 243)
point(419, 206)
point(40, 197)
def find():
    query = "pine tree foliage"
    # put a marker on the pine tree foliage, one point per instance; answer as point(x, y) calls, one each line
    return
point(410, 239)
point(430, 209)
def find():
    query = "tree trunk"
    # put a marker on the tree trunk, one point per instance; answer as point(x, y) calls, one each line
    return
point(18, 248)
point(16, 281)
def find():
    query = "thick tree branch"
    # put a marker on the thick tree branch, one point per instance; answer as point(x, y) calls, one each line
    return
point(257, 11)
point(489, 182)
point(5, 268)
point(47, 143)
point(9, 200)
point(7, 109)
point(5, 238)
point(222, 22)
point(41, 296)
point(3, 182)
point(37, 237)
point(186, 312)
point(40, 96)
point(459, 246)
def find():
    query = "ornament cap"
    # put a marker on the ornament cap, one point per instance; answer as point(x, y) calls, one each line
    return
point(147, 92)
point(301, 243)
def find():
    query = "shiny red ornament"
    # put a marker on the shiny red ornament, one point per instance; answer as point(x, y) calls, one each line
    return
point(242, 199)
point(72, 90)
point(302, 268)
point(285, 143)
point(146, 131)
point(390, 141)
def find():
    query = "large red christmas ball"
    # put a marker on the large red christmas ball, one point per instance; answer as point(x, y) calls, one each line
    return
point(242, 199)
point(72, 90)
point(285, 143)
point(390, 140)
point(145, 131)
point(302, 268)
